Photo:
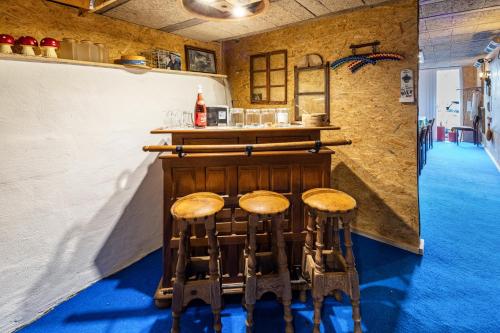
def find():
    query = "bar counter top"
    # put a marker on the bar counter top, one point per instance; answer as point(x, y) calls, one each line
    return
point(231, 129)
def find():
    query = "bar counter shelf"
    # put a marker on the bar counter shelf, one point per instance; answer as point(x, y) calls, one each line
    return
point(295, 162)
point(165, 130)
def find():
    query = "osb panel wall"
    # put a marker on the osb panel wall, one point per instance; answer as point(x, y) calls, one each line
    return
point(380, 168)
point(39, 18)
point(469, 80)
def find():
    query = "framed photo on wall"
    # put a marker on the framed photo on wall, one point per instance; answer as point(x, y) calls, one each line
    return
point(200, 60)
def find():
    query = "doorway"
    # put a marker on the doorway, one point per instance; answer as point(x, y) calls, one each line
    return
point(448, 98)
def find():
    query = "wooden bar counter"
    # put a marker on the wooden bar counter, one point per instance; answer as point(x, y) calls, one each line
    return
point(232, 174)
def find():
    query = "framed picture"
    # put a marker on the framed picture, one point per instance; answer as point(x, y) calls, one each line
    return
point(200, 60)
point(174, 61)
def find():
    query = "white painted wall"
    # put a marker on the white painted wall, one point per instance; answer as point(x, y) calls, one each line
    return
point(79, 199)
point(493, 147)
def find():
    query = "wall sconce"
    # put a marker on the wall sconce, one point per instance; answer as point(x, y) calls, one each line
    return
point(420, 56)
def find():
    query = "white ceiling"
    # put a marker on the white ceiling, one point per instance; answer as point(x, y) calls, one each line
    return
point(452, 32)
point(167, 15)
point(455, 32)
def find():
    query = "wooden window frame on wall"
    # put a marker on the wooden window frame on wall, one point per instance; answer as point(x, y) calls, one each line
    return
point(326, 92)
point(268, 71)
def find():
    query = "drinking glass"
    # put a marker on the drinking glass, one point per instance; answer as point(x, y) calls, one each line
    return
point(237, 117)
point(282, 117)
point(252, 118)
point(187, 119)
point(267, 117)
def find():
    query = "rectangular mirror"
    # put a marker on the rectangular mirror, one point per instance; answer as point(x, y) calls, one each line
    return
point(312, 90)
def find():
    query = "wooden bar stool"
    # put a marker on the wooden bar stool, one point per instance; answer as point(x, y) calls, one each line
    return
point(266, 205)
point(197, 209)
point(329, 270)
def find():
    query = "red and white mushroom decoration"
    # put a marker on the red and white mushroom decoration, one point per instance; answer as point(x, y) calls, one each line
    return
point(49, 47)
point(28, 44)
point(6, 42)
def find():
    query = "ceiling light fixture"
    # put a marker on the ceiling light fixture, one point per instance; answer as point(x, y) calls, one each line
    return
point(218, 10)
point(239, 11)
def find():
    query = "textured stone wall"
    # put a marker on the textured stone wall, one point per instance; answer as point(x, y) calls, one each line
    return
point(380, 168)
point(41, 19)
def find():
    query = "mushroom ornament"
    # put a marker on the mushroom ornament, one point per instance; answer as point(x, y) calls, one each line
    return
point(49, 46)
point(28, 44)
point(6, 42)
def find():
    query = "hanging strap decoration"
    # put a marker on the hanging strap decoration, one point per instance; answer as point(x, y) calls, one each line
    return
point(357, 65)
point(339, 62)
point(360, 60)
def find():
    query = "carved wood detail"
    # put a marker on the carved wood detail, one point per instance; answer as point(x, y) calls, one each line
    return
point(284, 172)
point(338, 272)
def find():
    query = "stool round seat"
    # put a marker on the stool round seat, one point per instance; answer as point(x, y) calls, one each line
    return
point(329, 200)
point(264, 202)
point(197, 205)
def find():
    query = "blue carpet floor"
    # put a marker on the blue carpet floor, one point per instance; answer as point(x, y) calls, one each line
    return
point(454, 287)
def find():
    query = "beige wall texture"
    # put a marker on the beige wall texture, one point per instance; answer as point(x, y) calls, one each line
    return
point(39, 18)
point(380, 168)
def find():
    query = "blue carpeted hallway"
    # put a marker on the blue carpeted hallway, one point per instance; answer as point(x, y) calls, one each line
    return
point(454, 287)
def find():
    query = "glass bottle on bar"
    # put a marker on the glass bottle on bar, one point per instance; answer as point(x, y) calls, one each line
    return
point(200, 110)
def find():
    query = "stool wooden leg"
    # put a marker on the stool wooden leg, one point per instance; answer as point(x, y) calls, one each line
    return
point(176, 318)
point(318, 258)
point(217, 321)
point(283, 271)
point(249, 321)
point(336, 246)
point(336, 235)
point(330, 243)
point(288, 316)
point(213, 251)
point(319, 270)
point(251, 279)
point(178, 287)
point(308, 247)
point(353, 275)
point(318, 304)
point(309, 243)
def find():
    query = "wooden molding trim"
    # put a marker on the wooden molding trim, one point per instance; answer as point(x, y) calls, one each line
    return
point(414, 249)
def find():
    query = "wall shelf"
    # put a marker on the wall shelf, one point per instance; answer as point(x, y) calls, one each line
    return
point(20, 57)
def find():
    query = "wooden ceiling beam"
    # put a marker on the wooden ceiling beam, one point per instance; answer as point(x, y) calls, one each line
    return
point(91, 6)
point(103, 5)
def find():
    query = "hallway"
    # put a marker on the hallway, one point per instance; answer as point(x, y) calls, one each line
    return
point(454, 287)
